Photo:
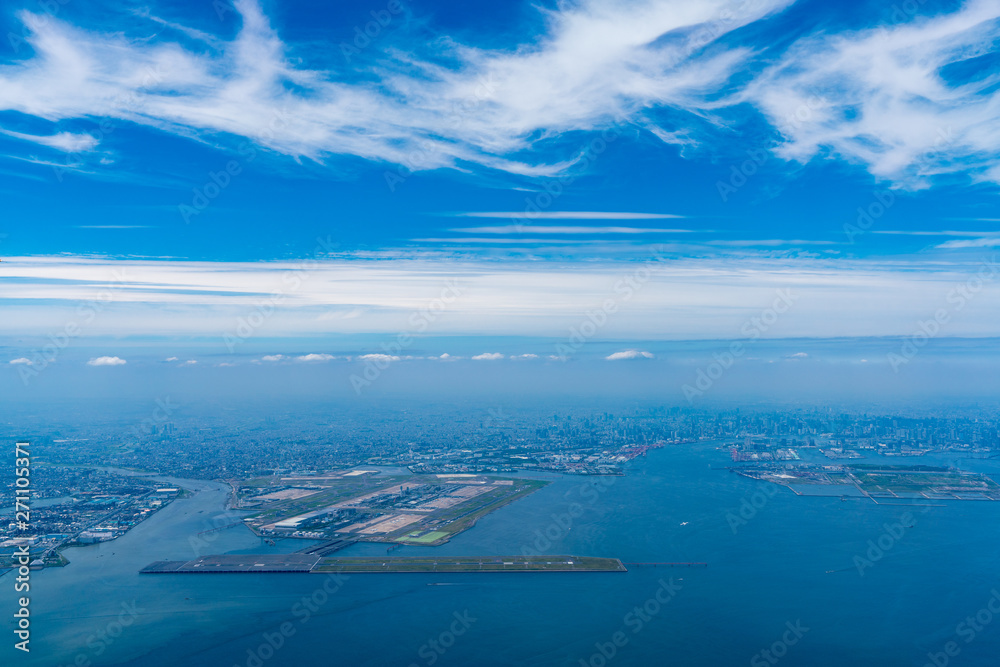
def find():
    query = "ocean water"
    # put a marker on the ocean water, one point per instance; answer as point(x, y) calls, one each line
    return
point(782, 577)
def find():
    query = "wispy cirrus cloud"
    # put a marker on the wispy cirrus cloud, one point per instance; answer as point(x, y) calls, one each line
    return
point(983, 242)
point(113, 226)
point(910, 101)
point(567, 215)
point(507, 240)
point(943, 232)
point(63, 141)
point(907, 101)
point(567, 229)
point(752, 243)
point(592, 63)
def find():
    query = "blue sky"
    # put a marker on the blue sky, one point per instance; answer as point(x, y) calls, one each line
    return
point(537, 153)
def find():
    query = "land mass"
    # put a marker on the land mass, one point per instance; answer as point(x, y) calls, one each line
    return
point(880, 482)
point(366, 506)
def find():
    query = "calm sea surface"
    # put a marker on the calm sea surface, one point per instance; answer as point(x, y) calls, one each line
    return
point(789, 563)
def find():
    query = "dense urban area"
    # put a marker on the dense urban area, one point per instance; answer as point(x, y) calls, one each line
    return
point(91, 478)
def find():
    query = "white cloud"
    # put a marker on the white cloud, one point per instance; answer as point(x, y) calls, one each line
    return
point(592, 63)
point(171, 359)
point(113, 226)
point(629, 354)
point(315, 357)
point(524, 356)
point(567, 215)
point(684, 298)
point(880, 97)
point(542, 229)
point(503, 240)
point(64, 141)
point(378, 357)
point(21, 361)
point(985, 242)
point(798, 355)
point(106, 361)
point(488, 356)
point(190, 362)
point(764, 243)
point(944, 232)
point(273, 357)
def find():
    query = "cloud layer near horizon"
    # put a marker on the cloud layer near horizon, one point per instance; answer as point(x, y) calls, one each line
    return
point(684, 298)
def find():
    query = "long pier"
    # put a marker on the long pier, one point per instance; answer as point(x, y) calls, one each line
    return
point(687, 564)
